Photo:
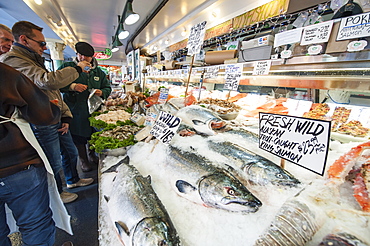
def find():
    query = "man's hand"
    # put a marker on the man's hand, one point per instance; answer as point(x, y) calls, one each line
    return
point(98, 92)
point(80, 87)
point(83, 64)
point(64, 128)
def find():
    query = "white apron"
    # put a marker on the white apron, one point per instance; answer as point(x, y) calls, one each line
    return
point(60, 214)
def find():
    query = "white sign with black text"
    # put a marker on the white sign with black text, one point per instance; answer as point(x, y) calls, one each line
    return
point(356, 26)
point(233, 72)
point(196, 38)
point(318, 33)
point(165, 127)
point(261, 67)
point(302, 141)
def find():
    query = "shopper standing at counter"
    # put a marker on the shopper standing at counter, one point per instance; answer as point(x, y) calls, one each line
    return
point(23, 177)
point(26, 56)
point(76, 96)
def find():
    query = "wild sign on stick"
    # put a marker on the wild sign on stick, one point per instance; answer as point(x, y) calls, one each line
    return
point(165, 127)
point(302, 141)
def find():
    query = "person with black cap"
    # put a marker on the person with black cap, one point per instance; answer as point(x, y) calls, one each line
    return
point(76, 96)
point(55, 140)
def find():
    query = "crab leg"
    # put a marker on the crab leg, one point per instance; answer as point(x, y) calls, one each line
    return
point(342, 166)
point(361, 193)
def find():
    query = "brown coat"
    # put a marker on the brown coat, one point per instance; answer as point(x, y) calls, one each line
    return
point(31, 64)
point(18, 91)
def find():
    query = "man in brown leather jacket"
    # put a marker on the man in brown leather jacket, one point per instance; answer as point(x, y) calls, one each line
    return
point(23, 180)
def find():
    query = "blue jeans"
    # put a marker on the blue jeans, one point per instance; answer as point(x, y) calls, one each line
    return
point(26, 194)
point(55, 146)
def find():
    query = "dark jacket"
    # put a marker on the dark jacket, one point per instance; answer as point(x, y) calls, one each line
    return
point(18, 91)
point(77, 102)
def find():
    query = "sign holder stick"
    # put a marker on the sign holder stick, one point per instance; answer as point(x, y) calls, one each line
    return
point(155, 144)
point(282, 163)
point(190, 70)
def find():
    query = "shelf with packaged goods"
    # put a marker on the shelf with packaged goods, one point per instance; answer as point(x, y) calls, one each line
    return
point(346, 71)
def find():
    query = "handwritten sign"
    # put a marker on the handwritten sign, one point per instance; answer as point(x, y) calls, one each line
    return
point(356, 26)
point(233, 72)
point(302, 141)
point(318, 33)
point(196, 37)
point(165, 127)
point(211, 72)
point(163, 95)
point(261, 67)
point(288, 37)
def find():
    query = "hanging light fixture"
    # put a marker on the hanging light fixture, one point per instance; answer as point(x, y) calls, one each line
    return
point(115, 43)
point(130, 16)
point(122, 33)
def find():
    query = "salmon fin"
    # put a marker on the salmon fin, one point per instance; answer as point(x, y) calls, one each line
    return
point(184, 187)
point(122, 228)
point(106, 198)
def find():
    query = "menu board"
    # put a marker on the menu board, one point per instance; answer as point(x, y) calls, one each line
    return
point(318, 33)
point(302, 141)
point(356, 26)
point(195, 41)
point(165, 127)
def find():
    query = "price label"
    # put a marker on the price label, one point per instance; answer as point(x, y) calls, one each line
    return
point(302, 141)
point(196, 37)
point(318, 33)
point(165, 127)
point(233, 73)
point(261, 67)
point(356, 26)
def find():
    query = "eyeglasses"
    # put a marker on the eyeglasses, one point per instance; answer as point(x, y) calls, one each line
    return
point(41, 43)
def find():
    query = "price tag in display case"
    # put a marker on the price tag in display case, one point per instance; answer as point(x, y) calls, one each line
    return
point(165, 127)
point(262, 67)
point(302, 141)
point(233, 73)
point(318, 33)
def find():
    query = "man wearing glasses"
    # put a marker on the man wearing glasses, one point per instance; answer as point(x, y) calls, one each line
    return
point(6, 39)
point(26, 56)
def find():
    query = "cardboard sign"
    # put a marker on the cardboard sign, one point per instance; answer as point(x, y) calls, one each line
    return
point(288, 37)
point(302, 141)
point(165, 127)
point(233, 72)
point(318, 33)
point(356, 26)
point(195, 41)
point(261, 67)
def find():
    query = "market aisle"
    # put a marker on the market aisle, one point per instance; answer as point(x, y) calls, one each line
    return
point(84, 214)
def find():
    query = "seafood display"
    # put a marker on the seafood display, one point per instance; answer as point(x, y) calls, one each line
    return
point(341, 239)
point(113, 116)
point(217, 187)
point(295, 224)
point(136, 211)
point(204, 183)
point(259, 170)
point(201, 119)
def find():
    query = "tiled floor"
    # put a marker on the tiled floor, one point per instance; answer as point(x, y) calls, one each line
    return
point(84, 215)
